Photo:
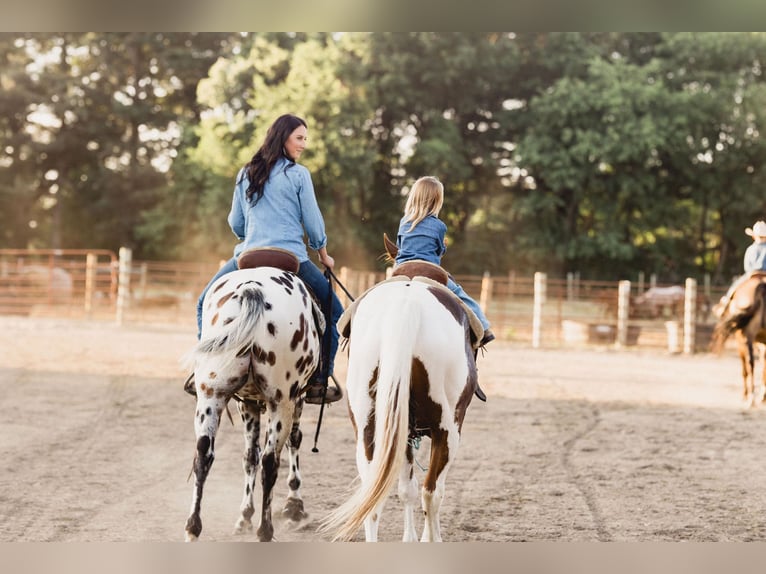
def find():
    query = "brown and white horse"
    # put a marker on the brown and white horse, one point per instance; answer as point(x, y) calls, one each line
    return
point(745, 318)
point(411, 373)
point(259, 341)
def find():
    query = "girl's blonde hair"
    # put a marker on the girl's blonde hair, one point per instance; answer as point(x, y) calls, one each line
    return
point(426, 198)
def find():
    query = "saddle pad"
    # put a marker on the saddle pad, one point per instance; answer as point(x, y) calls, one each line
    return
point(268, 257)
point(477, 331)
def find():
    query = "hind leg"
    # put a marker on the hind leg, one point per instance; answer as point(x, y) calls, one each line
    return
point(408, 494)
point(206, 421)
point(444, 444)
point(276, 436)
point(746, 355)
point(372, 520)
point(294, 506)
point(250, 411)
point(214, 384)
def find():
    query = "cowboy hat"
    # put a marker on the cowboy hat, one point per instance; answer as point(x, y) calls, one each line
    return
point(757, 230)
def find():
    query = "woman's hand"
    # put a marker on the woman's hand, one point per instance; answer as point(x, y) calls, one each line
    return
point(326, 260)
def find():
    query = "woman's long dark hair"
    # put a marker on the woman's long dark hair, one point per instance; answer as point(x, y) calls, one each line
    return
point(259, 168)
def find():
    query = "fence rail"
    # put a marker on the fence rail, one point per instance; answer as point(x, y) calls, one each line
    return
point(568, 312)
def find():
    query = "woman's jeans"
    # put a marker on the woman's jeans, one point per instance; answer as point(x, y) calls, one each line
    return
point(310, 274)
point(470, 303)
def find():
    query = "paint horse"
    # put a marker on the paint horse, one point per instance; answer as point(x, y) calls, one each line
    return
point(411, 373)
point(259, 345)
point(745, 318)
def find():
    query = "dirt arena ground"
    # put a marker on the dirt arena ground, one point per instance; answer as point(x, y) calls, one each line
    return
point(573, 445)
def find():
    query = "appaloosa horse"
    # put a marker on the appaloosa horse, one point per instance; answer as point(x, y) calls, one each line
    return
point(411, 373)
point(259, 345)
point(745, 317)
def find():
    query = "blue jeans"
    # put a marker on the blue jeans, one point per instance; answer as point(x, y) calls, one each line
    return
point(316, 281)
point(470, 303)
point(228, 267)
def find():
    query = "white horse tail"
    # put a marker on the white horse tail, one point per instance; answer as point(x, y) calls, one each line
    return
point(236, 336)
point(398, 334)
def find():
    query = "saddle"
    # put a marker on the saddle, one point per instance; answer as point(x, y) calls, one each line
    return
point(286, 261)
point(268, 257)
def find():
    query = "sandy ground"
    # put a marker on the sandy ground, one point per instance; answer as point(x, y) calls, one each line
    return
point(573, 445)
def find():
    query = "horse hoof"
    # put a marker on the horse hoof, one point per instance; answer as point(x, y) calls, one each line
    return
point(190, 537)
point(243, 527)
point(265, 534)
point(293, 510)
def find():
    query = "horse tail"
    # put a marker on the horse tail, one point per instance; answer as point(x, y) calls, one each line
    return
point(728, 325)
point(236, 337)
point(391, 415)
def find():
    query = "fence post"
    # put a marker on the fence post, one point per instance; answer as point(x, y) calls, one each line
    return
point(690, 315)
point(640, 282)
point(90, 281)
point(123, 282)
point(570, 286)
point(539, 301)
point(486, 292)
point(653, 280)
point(343, 278)
point(623, 311)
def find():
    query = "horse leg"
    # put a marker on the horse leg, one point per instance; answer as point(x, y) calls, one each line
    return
point(408, 494)
point(276, 435)
point(293, 509)
point(762, 360)
point(749, 373)
point(250, 411)
point(372, 521)
point(206, 421)
point(444, 443)
point(742, 351)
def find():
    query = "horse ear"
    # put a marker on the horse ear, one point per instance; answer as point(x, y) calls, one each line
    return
point(391, 247)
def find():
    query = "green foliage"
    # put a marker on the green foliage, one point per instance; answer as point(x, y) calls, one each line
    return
point(602, 153)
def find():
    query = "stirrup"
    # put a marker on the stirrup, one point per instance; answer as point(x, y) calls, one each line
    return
point(318, 391)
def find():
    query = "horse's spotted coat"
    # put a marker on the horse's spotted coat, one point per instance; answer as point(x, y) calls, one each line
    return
point(258, 343)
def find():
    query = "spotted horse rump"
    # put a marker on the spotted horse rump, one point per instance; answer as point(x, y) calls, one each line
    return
point(411, 374)
point(259, 345)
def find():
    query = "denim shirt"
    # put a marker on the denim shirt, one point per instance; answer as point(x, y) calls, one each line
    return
point(425, 240)
point(755, 257)
point(287, 208)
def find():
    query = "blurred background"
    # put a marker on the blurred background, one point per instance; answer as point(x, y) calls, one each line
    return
point(603, 154)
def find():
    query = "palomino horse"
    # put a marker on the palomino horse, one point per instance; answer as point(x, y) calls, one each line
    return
point(411, 373)
point(259, 341)
point(745, 317)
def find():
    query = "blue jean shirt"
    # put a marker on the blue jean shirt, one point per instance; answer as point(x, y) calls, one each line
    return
point(755, 257)
point(424, 241)
point(287, 208)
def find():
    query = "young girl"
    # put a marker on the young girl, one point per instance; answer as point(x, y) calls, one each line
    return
point(421, 236)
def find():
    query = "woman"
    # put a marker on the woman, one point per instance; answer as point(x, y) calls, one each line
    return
point(273, 204)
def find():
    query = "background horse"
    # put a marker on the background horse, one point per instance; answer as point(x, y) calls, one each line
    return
point(259, 341)
point(411, 373)
point(745, 317)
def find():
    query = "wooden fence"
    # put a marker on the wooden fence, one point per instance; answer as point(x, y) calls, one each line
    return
point(534, 310)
